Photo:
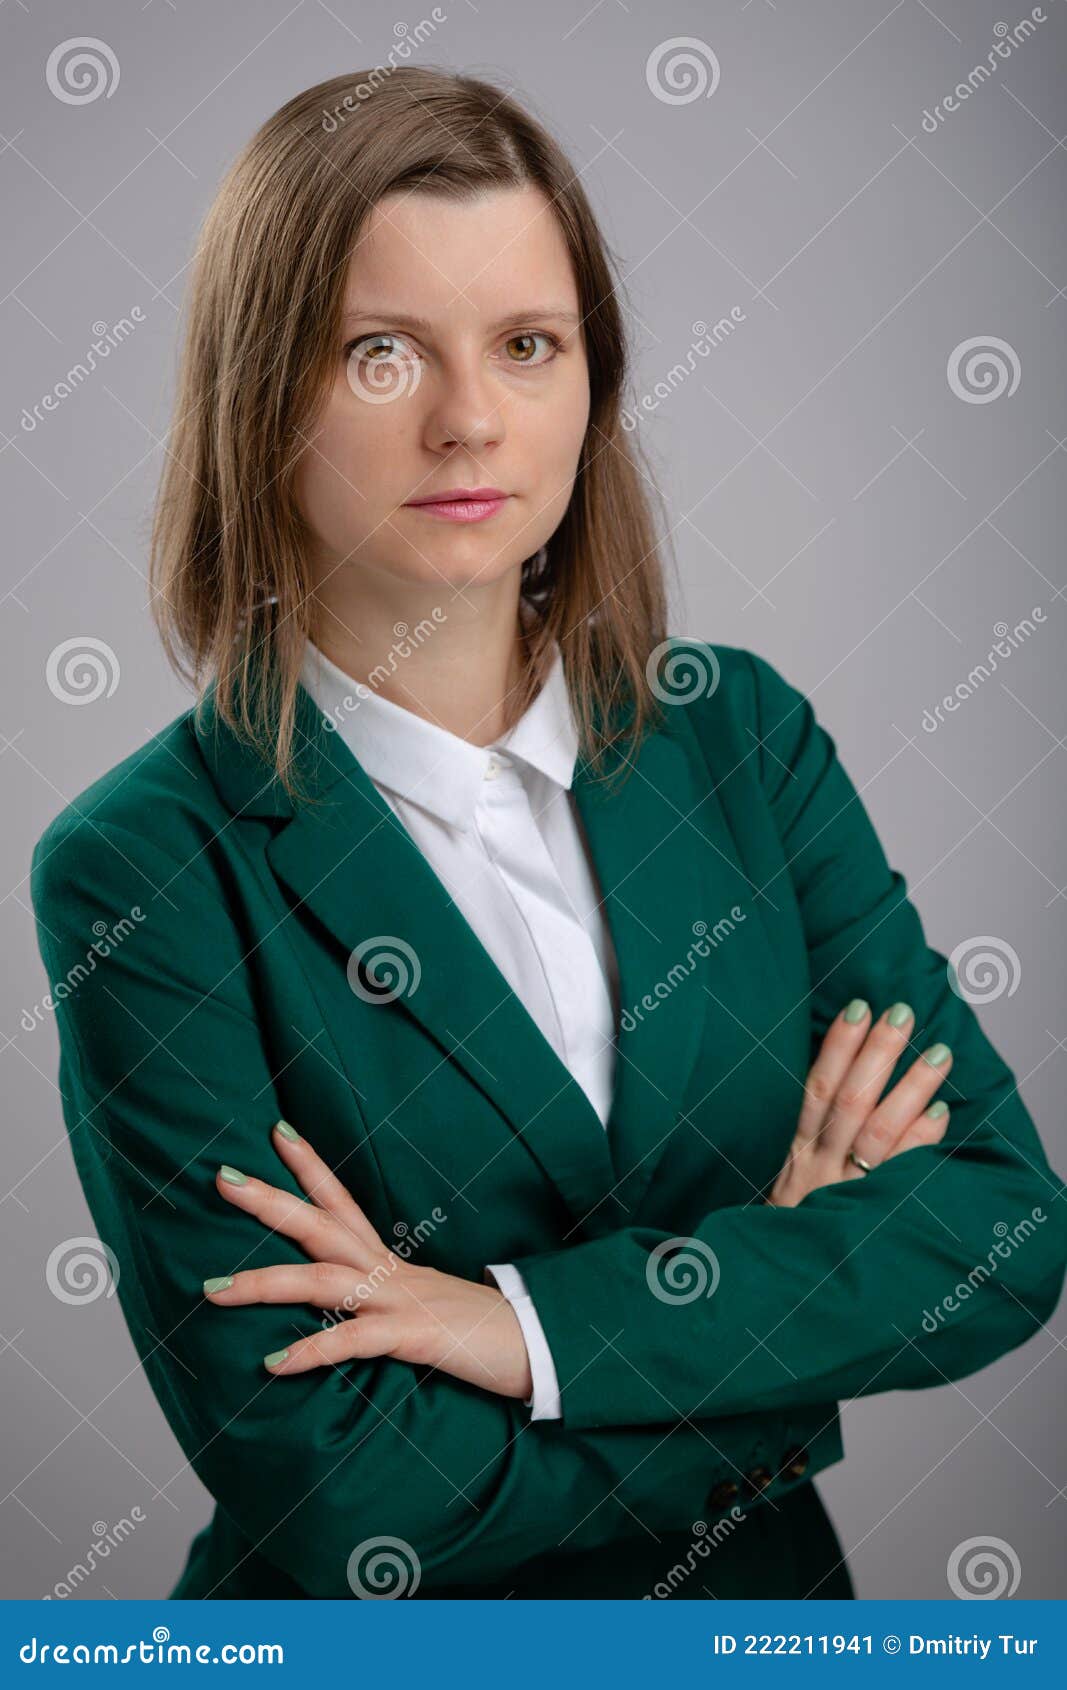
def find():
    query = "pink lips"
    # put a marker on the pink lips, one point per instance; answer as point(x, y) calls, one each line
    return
point(459, 504)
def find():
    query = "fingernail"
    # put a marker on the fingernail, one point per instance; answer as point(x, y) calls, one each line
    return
point(233, 1176)
point(936, 1055)
point(856, 1010)
point(275, 1357)
point(287, 1131)
point(221, 1284)
point(899, 1013)
point(936, 1110)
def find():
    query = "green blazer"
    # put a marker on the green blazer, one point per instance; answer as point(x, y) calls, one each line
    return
point(749, 899)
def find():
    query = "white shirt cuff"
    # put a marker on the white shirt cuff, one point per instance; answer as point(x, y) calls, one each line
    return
point(545, 1403)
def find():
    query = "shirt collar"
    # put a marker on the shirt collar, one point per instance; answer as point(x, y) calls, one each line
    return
point(418, 760)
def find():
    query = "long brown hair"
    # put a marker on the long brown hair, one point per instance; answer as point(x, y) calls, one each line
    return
point(231, 588)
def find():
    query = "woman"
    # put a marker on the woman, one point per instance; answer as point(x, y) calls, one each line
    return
point(484, 1223)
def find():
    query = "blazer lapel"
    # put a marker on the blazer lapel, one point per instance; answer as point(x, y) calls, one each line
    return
point(670, 876)
point(666, 863)
point(350, 862)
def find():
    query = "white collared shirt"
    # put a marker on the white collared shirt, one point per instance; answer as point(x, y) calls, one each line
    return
point(499, 827)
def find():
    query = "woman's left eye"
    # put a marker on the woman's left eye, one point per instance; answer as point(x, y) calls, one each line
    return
point(524, 341)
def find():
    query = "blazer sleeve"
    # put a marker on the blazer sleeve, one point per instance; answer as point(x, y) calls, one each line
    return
point(163, 1076)
point(934, 1264)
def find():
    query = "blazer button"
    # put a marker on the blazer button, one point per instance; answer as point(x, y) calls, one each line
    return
point(757, 1479)
point(795, 1462)
point(722, 1494)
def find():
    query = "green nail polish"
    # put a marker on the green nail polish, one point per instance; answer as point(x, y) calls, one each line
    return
point(936, 1110)
point(936, 1055)
point(856, 1010)
point(899, 1013)
point(287, 1131)
point(233, 1176)
point(275, 1357)
point(223, 1283)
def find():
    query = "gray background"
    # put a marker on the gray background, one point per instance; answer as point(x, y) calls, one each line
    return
point(834, 505)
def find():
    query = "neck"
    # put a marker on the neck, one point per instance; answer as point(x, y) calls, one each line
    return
point(455, 659)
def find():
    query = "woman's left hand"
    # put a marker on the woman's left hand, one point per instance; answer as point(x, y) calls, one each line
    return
point(414, 1314)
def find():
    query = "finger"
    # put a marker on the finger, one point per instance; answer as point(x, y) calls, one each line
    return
point(321, 1183)
point(928, 1129)
point(357, 1339)
point(900, 1106)
point(838, 1051)
point(862, 1086)
point(323, 1238)
point(324, 1285)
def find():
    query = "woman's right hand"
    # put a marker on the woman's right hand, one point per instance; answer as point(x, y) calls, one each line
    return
point(843, 1107)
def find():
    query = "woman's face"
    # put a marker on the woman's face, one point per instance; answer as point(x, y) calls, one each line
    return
point(461, 365)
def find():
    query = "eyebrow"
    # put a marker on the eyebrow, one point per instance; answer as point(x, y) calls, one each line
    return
point(402, 319)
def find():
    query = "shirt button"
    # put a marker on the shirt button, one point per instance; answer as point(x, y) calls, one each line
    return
point(493, 766)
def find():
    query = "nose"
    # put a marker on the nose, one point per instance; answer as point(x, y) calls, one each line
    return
point(466, 409)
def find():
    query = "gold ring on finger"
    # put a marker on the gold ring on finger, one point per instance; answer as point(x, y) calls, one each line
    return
point(858, 1162)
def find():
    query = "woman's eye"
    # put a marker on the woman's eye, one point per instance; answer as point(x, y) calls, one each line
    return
point(527, 349)
point(377, 348)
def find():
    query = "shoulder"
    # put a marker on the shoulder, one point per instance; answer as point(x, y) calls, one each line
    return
point(156, 805)
point(732, 693)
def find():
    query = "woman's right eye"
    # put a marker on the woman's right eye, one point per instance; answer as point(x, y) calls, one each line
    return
point(377, 348)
